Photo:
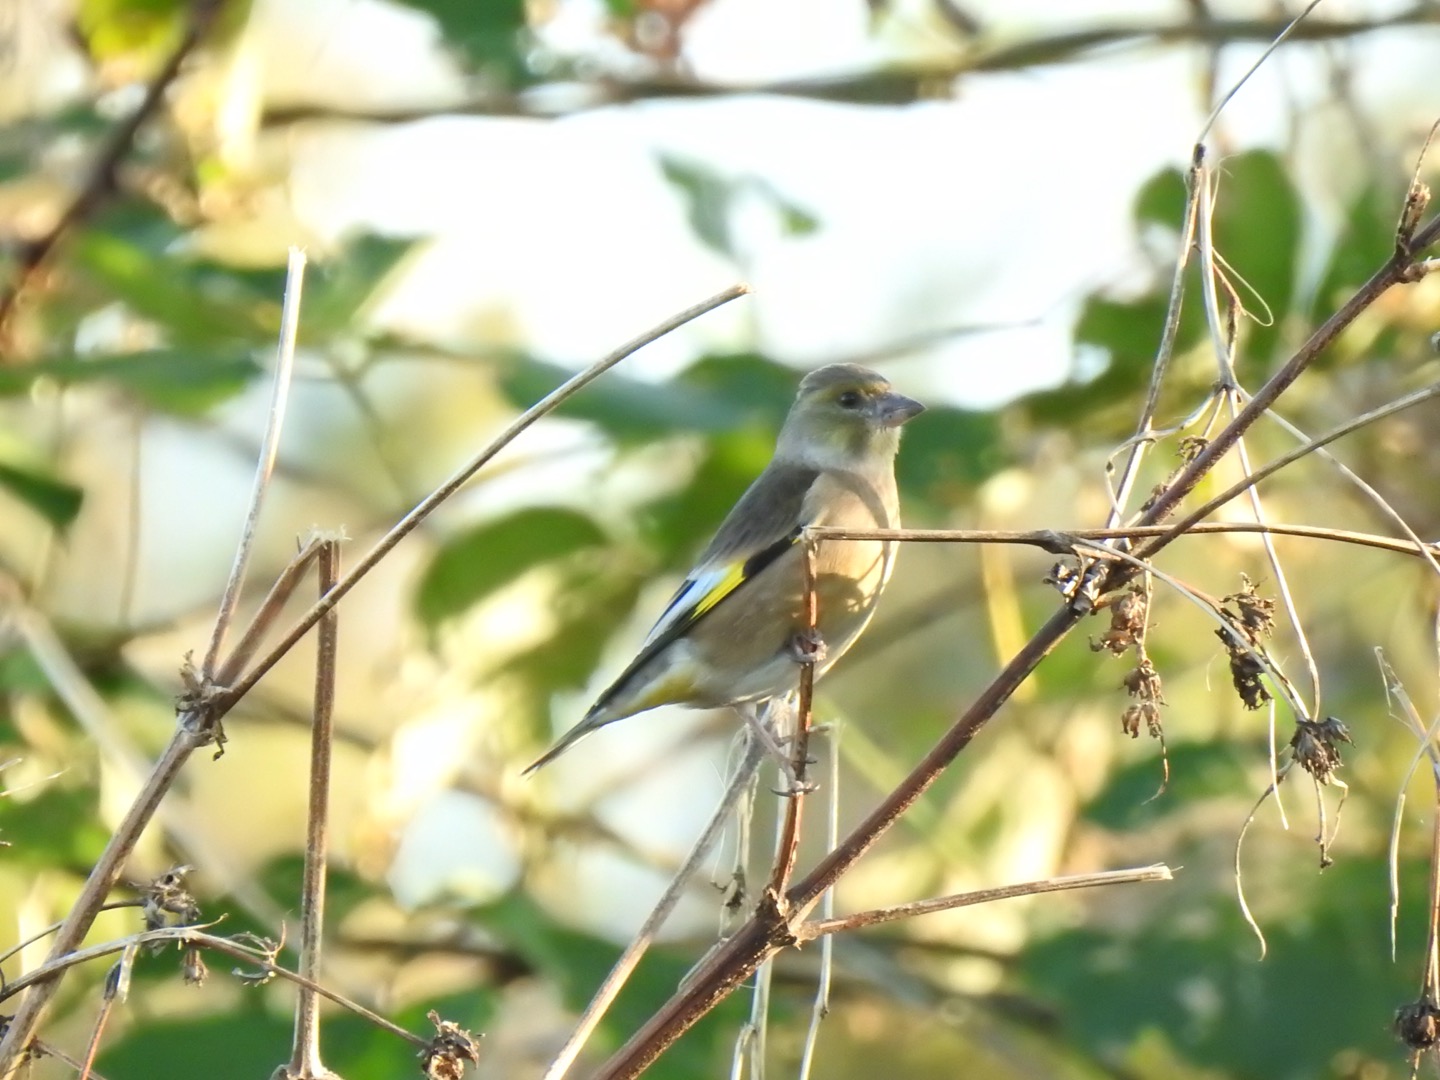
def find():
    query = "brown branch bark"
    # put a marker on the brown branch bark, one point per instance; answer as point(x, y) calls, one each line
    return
point(899, 84)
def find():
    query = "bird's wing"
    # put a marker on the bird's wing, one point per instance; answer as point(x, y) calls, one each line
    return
point(761, 527)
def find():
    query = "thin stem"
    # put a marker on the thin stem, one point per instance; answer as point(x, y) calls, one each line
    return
point(265, 463)
point(821, 1007)
point(286, 583)
point(190, 935)
point(1064, 541)
point(1166, 350)
point(1275, 44)
point(430, 503)
point(745, 770)
point(822, 927)
point(787, 846)
point(305, 1060)
point(103, 877)
point(1250, 413)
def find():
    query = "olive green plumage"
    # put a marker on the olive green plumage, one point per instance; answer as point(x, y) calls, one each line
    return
point(727, 637)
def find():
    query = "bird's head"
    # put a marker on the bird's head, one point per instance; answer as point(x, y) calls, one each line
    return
point(845, 416)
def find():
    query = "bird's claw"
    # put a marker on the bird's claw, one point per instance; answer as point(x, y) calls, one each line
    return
point(797, 787)
point(808, 647)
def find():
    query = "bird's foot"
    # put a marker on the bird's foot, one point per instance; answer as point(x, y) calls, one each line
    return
point(794, 785)
point(808, 647)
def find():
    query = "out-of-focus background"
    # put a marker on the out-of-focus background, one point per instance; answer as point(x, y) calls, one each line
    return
point(979, 198)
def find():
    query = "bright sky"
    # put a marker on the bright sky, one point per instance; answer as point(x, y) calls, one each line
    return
point(999, 209)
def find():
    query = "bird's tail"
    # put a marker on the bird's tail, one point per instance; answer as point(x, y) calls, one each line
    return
point(593, 722)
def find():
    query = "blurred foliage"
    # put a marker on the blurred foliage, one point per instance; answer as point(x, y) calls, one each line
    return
point(136, 321)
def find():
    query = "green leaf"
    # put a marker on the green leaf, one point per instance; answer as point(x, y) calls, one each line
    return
point(1366, 240)
point(678, 525)
point(492, 35)
point(628, 409)
point(707, 201)
point(471, 566)
point(59, 828)
point(115, 27)
point(1197, 771)
point(1257, 231)
point(1161, 199)
point(1191, 971)
point(183, 381)
point(54, 500)
point(1129, 334)
point(709, 196)
point(589, 605)
point(716, 394)
point(946, 448)
point(164, 289)
point(576, 963)
point(247, 1039)
point(338, 288)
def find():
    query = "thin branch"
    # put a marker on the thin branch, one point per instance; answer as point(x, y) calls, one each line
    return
point(1165, 351)
point(1250, 413)
point(821, 1007)
point(787, 846)
point(609, 989)
point(812, 930)
point(895, 84)
point(286, 582)
point(1290, 30)
point(191, 935)
point(430, 503)
point(305, 1062)
point(1064, 541)
point(265, 463)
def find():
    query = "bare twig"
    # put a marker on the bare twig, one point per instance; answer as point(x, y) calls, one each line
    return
point(198, 936)
point(821, 927)
point(821, 1008)
point(305, 1063)
point(1064, 542)
point(895, 84)
point(1165, 351)
point(788, 843)
point(1278, 40)
point(265, 465)
point(745, 769)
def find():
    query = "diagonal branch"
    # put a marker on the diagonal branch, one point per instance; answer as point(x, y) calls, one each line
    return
point(101, 181)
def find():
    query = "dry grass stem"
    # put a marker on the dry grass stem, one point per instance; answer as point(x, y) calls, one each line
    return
point(305, 1063)
point(265, 463)
point(822, 927)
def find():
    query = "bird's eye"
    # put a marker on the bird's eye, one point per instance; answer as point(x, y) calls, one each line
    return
point(849, 399)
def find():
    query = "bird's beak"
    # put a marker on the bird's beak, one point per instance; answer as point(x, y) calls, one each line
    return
point(895, 409)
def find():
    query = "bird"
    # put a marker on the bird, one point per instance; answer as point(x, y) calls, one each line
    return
point(736, 629)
